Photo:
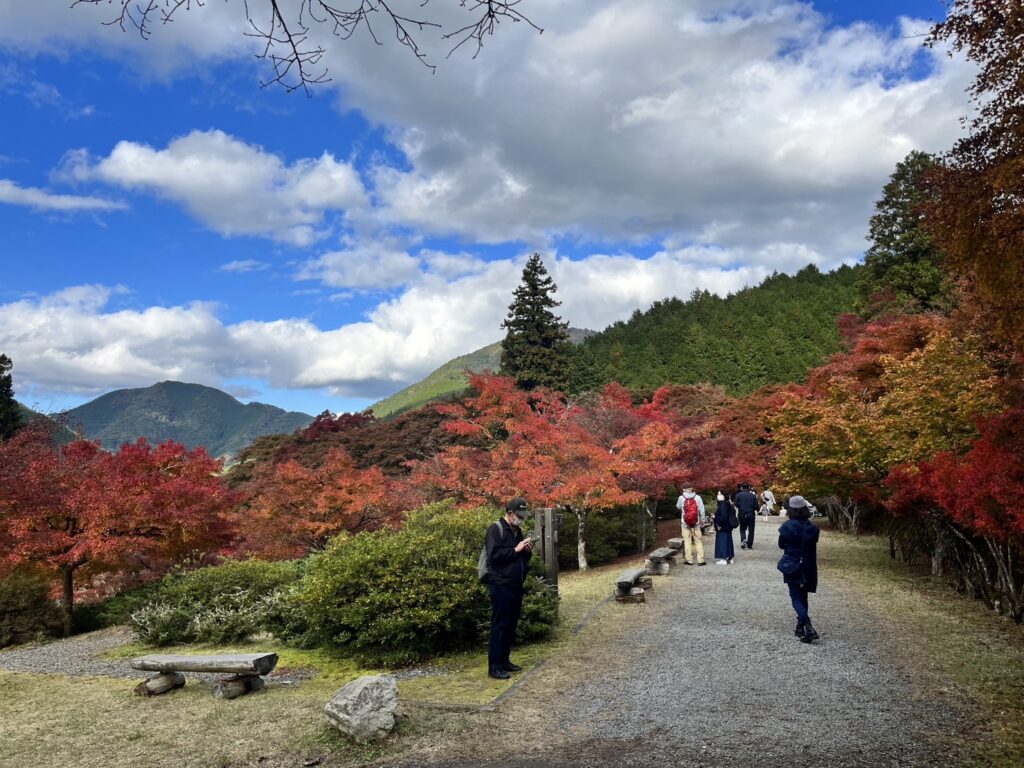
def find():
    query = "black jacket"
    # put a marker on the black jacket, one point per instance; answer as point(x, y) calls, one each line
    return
point(799, 540)
point(746, 503)
point(723, 515)
point(506, 566)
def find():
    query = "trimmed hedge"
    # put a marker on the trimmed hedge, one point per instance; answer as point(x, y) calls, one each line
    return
point(398, 597)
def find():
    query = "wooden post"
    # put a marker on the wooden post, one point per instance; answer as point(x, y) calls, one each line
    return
point(547, 528)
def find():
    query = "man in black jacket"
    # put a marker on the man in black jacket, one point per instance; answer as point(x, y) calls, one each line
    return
point(746, 507)
point(508, 558)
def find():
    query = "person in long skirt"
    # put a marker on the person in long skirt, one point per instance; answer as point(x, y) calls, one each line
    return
point(725, 551)
point(798, 538)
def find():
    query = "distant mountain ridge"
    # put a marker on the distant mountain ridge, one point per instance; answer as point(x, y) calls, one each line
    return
point(450, 378)
point(191, 414)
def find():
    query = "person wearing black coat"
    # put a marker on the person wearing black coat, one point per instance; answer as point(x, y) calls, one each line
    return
point(746, 507)
point(798, 538)
point(725, 551)
point(508, 559)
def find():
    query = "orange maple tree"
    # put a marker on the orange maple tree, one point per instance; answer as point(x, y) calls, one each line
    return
point(292, 509)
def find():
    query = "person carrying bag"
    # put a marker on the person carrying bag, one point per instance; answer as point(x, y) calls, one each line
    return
point(798, 540)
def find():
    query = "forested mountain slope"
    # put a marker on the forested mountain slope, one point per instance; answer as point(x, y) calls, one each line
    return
point(186, 413)
point(767, 334)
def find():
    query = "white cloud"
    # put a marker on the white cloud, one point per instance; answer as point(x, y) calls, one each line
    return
point(71, 341)
point(233, 187)
point(738, 124)
point(42, 200)
point(244, 265)
point(367, 265)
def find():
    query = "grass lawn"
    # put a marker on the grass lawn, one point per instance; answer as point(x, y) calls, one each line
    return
point(56, 720)
point(959, 648)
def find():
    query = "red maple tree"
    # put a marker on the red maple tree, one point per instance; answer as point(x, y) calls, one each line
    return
point(78, 510)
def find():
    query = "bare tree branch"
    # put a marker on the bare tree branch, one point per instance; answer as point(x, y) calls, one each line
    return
point(296, 62)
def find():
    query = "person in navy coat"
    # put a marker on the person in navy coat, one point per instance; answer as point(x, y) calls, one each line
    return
point(798, 538)
point(725, 551)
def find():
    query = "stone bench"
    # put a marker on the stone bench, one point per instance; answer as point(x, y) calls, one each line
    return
point(659, 561)
point(245, 670)
point(631, 586)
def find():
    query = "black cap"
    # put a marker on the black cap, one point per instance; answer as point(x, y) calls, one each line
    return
point(518, 505)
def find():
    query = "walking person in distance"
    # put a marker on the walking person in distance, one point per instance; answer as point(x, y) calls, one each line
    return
point(746, 506)
point(798, 539)
point(725, 551)
point(508, 557)
point(691, 508)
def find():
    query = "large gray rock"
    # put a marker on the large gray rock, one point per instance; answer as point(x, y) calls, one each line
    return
point(366, 708)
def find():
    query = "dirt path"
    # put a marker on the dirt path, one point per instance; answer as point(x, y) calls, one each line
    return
point(708, 672)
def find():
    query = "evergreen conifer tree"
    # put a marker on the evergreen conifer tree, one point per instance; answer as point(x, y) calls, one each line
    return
point(10, 411)
point(902, 265)
point(536, 348)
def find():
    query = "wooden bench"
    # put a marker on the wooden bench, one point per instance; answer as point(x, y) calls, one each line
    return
point(246, 670)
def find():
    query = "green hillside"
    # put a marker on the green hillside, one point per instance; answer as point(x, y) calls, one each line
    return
point(450, 378)
point(187, 413)
point(771, 333)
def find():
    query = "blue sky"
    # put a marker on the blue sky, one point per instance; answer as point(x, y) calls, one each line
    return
point(164, 217)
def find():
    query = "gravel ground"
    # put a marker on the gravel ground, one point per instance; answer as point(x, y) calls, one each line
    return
point(709, 673)
point(82, 656)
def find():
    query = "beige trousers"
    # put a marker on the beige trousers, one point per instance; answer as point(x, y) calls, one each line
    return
point(693, 539)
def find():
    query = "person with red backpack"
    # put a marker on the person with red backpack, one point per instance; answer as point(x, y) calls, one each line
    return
point(691, 507)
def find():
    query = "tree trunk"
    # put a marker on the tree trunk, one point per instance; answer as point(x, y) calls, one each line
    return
point(939, 553)
point(581, 542)
point(644, 514)
point(67, 573)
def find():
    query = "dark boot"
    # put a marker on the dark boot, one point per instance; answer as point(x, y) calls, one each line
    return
point(799, 631)
point(809, 635)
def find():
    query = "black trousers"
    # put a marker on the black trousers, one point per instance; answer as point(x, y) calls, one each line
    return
point(747, 530)
point(506, 605)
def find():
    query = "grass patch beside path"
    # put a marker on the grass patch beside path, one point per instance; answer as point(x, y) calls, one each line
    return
point(960, 649)
point(85, 722)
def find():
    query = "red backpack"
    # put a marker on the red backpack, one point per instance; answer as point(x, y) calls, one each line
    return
point(690, 512)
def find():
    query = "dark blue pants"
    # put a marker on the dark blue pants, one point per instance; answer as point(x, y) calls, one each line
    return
point(724, 548)
point(798, 595)
point(506, 605)
point(747, 531)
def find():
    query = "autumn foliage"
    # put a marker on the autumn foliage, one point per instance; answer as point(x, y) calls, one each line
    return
point(79, 511)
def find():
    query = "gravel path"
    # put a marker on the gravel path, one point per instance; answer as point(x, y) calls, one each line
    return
point(78, 656)
point(709, 673)
point(82, 656)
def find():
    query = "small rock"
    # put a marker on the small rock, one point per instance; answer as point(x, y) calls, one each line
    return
point(365, 709)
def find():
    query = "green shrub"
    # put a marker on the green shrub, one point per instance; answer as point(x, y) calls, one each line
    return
point(114, 610)
point(220, 604)
point(26, 610)
point(610, 534)
point(397, 597)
